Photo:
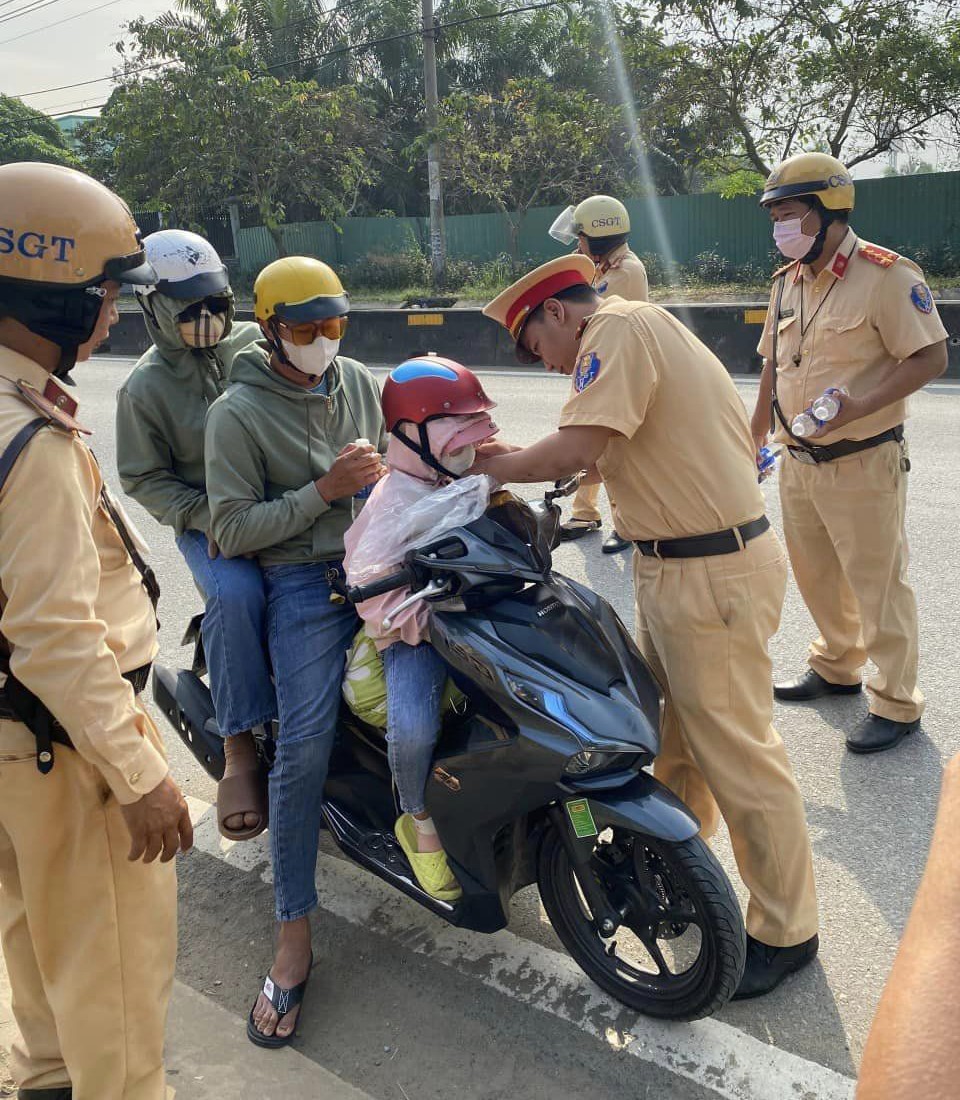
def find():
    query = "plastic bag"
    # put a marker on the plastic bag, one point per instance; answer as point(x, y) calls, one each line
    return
point(365, 684)
point(404, 513)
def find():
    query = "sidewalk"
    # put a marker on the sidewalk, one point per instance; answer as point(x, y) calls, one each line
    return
point(210, 1058)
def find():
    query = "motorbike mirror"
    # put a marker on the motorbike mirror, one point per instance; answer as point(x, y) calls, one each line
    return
point(563, 229)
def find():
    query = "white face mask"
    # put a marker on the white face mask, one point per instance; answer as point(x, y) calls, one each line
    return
point(312, 358)
point(460, 461)
point(791, 240)
point(205, 331)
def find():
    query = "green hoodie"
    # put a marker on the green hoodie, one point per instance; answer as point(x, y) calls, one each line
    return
point(267, 442)
point(160, 413)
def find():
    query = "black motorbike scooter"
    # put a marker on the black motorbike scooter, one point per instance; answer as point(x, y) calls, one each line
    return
point(542, 778)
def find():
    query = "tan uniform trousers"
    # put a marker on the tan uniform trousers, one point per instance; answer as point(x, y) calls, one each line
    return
point(89, 938)
point(843, 523)
point(704, 625)
point(585, 502)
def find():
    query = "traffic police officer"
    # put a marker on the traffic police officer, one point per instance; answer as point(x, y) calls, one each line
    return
point(87, 914)
point(656, 412)
point(601, 226)
point(851, 315)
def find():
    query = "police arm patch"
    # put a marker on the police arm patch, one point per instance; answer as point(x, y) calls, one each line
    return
point(588, 367)
point(921, 297)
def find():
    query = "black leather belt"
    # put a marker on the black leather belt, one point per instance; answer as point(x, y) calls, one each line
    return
point(814, 454)
point(705, 546)
point(138, 679)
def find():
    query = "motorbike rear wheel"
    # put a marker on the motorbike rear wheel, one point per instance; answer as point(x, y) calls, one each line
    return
point(679, 951)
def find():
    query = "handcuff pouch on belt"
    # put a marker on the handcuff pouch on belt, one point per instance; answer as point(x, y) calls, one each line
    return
point(17, 701)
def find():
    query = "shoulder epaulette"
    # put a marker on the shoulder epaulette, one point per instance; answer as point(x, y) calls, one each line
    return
point(57, 406)
point(783, 270)
point(883, 257)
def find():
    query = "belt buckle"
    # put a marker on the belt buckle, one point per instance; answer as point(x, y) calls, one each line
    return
point(807, 457)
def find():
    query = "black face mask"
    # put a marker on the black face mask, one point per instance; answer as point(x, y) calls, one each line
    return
point(66, 318)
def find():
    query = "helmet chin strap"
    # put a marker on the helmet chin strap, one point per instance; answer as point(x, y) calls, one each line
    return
point(827, 219)
point(276, 345)
point(424, 452)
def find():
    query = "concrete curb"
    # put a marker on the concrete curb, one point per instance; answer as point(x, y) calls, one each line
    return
point(210, 1058)
point(730, 330)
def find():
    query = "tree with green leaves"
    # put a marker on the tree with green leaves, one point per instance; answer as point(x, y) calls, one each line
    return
point(28, 134)
point(855, 78)
point(217, 124)
point(531, 145)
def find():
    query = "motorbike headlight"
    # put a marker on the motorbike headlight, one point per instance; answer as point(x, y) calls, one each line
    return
point(588, 760)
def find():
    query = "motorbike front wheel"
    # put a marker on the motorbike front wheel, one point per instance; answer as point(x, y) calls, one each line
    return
point(679, 950)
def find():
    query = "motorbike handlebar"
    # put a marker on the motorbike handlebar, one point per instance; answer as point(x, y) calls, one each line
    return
point(401, 579)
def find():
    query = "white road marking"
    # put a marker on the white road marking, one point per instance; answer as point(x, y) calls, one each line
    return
point(731, 1063)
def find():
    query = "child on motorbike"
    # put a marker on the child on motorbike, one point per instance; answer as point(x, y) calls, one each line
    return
point(436, 413)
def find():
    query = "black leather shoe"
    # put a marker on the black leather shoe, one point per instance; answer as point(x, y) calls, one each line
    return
point(877, 734)
point(766, 966)
point(613, 544)
point(45, 1094)
point(577, 528)
point(811, 685)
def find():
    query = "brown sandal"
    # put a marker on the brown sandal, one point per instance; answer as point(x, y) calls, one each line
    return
point(243, 792)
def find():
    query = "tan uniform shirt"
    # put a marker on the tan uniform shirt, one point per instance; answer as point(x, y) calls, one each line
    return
point(849, 326)
point(622, 273)
point(683, 461)
point(75, 614)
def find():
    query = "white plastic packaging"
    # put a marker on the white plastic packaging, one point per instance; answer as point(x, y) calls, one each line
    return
point(404, 513)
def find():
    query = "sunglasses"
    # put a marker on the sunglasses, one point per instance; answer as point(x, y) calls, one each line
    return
point(211, 305)
point(332, 328)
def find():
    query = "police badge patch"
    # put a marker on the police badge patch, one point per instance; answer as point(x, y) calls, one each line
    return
point(921, 297)
point(602, 287)
point(588, 366)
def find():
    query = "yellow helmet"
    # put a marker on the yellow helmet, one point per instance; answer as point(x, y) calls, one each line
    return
point(297, 289)
point(601, 216)
point(811, 174)
point(64, 230)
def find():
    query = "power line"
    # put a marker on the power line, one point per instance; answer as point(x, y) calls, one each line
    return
point(349, 48)
point(27, 9)
point(345, 5)
point(58, 22)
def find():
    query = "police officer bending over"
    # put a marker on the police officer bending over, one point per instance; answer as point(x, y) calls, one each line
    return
point(87, 913)
point(658, 415)
point(859, 319)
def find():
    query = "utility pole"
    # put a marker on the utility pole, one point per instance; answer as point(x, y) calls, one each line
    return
point(438, 243)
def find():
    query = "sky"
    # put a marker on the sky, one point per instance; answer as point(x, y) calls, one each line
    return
point(80, 49)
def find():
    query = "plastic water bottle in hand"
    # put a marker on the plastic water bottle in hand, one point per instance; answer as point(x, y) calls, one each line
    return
point(362, 494)
point(805, 424)
point(828, 404)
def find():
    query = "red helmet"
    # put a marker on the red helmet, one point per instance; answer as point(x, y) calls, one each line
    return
point(427, 387)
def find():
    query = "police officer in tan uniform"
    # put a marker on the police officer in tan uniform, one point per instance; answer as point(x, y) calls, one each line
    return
point(601, 227)
point(847, 314)
point(87, 911)
point(655, 412)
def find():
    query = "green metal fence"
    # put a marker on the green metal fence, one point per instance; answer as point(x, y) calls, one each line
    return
point(919, 215)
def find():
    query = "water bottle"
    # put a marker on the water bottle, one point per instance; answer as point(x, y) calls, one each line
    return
point(828, 404)
point(362, 494)
point(805, 424)
point(767, 462)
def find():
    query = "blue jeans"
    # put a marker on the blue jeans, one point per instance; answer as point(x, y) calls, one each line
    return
point(416, 676)
point(309, 637)
point(234, 635)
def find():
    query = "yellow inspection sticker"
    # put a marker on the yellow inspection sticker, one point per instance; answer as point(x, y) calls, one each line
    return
point(424, 318)
point(581, 818)
point(754, 316)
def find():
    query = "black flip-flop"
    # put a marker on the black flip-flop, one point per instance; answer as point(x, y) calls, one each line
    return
point(284, 1001)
